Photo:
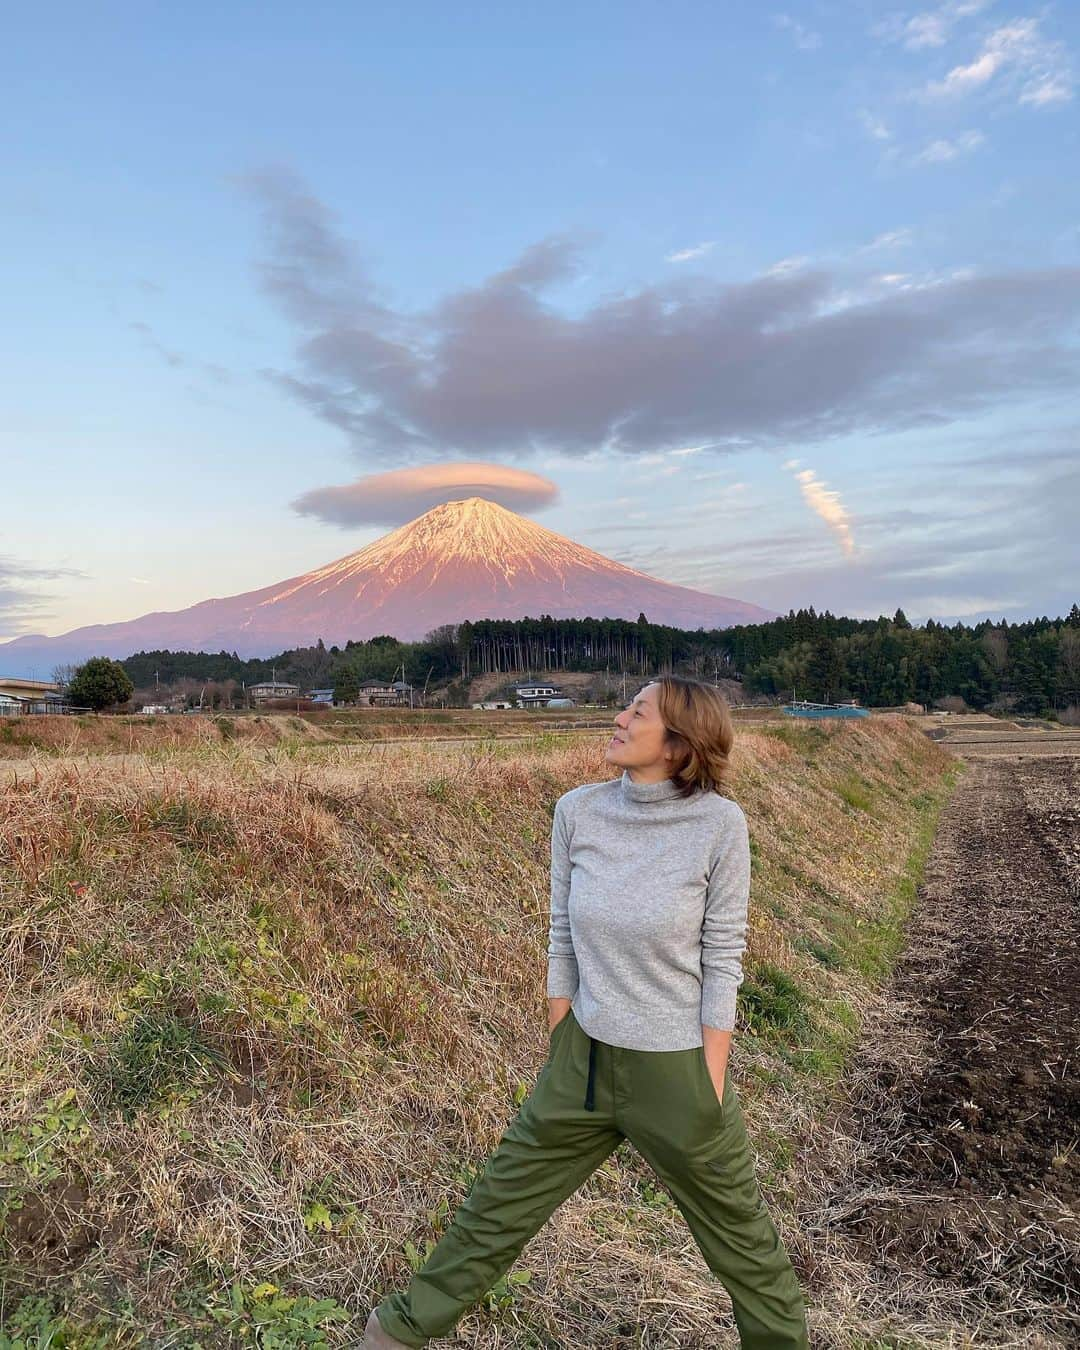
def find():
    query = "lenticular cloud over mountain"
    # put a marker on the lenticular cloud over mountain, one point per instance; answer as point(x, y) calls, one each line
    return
point(466, 559)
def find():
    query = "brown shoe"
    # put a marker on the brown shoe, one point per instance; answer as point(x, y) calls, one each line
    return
point(375, 1338)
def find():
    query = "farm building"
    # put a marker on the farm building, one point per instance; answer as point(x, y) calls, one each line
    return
point(29, 696)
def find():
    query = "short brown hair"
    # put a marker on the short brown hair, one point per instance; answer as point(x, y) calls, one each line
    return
point(699, 728)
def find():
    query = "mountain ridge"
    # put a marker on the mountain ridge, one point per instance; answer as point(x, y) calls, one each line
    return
point(463, 559)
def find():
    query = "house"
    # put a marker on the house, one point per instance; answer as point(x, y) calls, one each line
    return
point(30, 696)
point(387, 693)
point(272, 689)
point(536, 695)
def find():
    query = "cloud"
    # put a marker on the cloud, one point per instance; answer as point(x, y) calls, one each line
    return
point(308, 269)
point(943, 151)
point(786, 266)
point(930, 28)
point(1005, 544)
point(687, 254)
point(19, 604)
point(1036, 69)
point(1048, 87)
point(175, 359)
point(874, 126)
point(144, 330)
point(824, 503)
point(890, 239)
point(498, 368)
point(804, 38)
point(401, 494)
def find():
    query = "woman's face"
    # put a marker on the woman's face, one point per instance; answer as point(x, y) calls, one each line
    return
point(638, 742)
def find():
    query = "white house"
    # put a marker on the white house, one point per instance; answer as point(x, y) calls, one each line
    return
point(530, 694)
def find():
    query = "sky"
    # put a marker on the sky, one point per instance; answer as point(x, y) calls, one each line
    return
point(777, 303)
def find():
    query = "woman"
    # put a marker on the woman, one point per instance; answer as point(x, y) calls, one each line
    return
point(650, 879)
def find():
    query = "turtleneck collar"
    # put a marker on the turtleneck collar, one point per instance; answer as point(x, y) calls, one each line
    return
point(647, 792)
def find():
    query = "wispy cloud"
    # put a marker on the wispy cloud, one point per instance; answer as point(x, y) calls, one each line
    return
point(688, 254)
point(824, 502)
point(786, 266)
point(176, 359)
point(804, 38)
point(943, 151)
point(874, 126)
point(20, 603)
point(1037, 70)
point(890, 239)
point(1008, 548)
point(930, 28)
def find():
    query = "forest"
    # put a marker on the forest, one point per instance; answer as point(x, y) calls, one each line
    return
point(1028, 668)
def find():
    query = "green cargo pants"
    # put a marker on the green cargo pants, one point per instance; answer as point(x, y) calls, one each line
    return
point(588, 1097)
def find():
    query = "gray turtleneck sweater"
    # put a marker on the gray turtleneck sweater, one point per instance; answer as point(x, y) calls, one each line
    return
point(649, 898)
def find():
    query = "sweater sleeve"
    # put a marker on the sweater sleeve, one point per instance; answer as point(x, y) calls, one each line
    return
point(562, 978)
point(723, 932)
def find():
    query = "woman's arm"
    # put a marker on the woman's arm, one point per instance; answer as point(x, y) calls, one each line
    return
point(562, 976)
point(723, 941)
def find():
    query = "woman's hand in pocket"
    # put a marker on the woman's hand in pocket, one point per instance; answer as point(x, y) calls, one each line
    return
point(557, 1010)
point(716, 1044)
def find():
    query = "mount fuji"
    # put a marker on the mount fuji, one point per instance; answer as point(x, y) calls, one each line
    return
point(467, 559)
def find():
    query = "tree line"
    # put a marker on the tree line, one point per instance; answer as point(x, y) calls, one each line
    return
point(1031, 667)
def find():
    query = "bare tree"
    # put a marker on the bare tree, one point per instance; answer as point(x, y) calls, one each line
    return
point(1069, 654)
point(996, 646)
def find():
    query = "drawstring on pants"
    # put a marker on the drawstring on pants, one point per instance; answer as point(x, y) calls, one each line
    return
point(590, 1104)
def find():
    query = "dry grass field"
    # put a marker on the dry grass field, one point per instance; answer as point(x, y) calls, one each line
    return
point(269, 1001)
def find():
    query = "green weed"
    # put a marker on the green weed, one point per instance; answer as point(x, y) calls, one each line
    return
point(36, 1324)
point(807, 740)
point(855, 791)
point(35, 1148)
point(263, 1315)
point(771, 1002)
point(156, 1052)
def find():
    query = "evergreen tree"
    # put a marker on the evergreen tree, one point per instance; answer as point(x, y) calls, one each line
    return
point(346, 686)
point(100, 683)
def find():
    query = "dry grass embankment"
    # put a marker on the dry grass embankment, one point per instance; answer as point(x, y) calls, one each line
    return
point(264, 1017)
point(50, 736)
point(78, 736)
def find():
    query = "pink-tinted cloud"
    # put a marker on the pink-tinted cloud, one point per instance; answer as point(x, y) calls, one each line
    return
point(401, 494)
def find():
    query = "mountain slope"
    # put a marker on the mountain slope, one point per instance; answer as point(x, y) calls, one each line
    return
point(468, 559)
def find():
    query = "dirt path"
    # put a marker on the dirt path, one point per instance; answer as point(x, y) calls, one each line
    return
point(961, 1124)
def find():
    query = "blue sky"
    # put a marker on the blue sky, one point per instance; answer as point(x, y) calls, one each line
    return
point(779, 303)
